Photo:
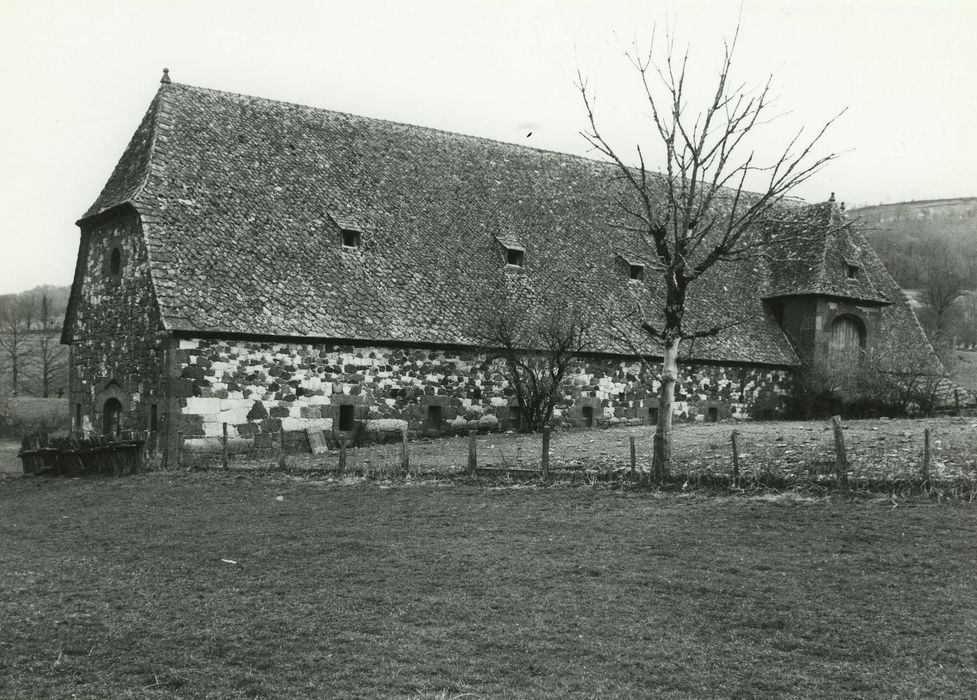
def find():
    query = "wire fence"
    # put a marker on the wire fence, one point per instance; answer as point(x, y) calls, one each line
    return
point(774, 453)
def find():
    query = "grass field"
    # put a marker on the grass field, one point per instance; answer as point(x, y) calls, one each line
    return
point(882, 450)
point(233, 585)
point(25, 414)
point(9, 462)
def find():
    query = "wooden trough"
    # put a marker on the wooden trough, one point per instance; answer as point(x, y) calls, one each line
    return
point(106, 454)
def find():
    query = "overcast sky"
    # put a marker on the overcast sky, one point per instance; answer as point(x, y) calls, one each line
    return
point(76, 78)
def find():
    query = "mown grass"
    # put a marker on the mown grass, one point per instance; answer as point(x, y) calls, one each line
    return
point(118, 588)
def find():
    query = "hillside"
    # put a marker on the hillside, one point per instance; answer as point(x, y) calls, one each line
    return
point(907, 235)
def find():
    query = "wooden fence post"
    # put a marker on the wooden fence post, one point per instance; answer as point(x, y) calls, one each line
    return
point(472, 453)
point(179, 449)
point(841, 454)
point(926, 456)
point(546, 454)
point(956, 401)
point(736, 459)
point(405, 452)
point(224, 446)
point(634, 460)
point(342, 455)
point(281, 448)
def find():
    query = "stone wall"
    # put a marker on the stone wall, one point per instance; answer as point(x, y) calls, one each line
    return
point(260, 388)
point(117, 349)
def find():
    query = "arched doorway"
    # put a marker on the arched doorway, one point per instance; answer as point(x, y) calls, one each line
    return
point(111, 416)
point(847, 342)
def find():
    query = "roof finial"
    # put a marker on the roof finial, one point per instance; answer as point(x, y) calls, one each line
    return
point(842, 206)
point(166, 77)
point(832, 197)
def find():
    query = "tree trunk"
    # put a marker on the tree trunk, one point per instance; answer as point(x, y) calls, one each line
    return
point(14, 372)
point(661, 464)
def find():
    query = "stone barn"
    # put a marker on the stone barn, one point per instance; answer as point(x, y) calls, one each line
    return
point(273, 266)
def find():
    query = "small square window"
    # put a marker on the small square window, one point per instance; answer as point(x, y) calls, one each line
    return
point(346, 417)
point(587, 413)
point(515, 257)
point(432, 421)
point(851, 271)
point(636, 272)
point(351, 238)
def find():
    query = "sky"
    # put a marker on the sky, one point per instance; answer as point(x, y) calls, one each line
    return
point(76, 77)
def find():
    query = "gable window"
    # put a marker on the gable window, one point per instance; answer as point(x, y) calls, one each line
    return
point(351, 238)
point(851, 271)
point(114, 261)
point(515, 256)
point(636, 272)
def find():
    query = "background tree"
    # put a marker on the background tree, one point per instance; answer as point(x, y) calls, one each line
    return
point(697, 213)
point(16, 319)
point(945, 279)
point(532, 351)
point(50, 353)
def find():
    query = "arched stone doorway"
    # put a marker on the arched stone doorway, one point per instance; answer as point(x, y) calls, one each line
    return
point(111, 416)
point(847, 342)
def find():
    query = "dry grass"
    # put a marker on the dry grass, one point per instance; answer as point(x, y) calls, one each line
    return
point(231, 585)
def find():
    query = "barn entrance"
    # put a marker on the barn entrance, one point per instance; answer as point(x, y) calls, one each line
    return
point(847, 342)
point(111, 415)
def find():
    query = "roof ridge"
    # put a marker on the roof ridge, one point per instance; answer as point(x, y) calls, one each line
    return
point(153, 138)
point(430, 129)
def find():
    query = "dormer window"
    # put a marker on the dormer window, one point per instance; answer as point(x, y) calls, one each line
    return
point(351, 237)
point(516, 257)
point(851, 271)
point(634, 269)
point(513, 251)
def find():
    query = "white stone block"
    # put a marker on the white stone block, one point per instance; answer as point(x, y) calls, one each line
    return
point(235, 404)
point(320, 424)
point(499, 401)
point(386, 425)
point(234, 417)
point(197, 405)
point(295, 423)
point(188, 344)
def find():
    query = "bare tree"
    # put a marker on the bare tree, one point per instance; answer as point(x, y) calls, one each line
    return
point(945, 279)
point(16, 319)
point(697, 213)
point(50, 353)
point(532, 351)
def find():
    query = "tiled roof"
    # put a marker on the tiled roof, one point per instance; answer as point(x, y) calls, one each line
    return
point(815, 254)
point(243, 199)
